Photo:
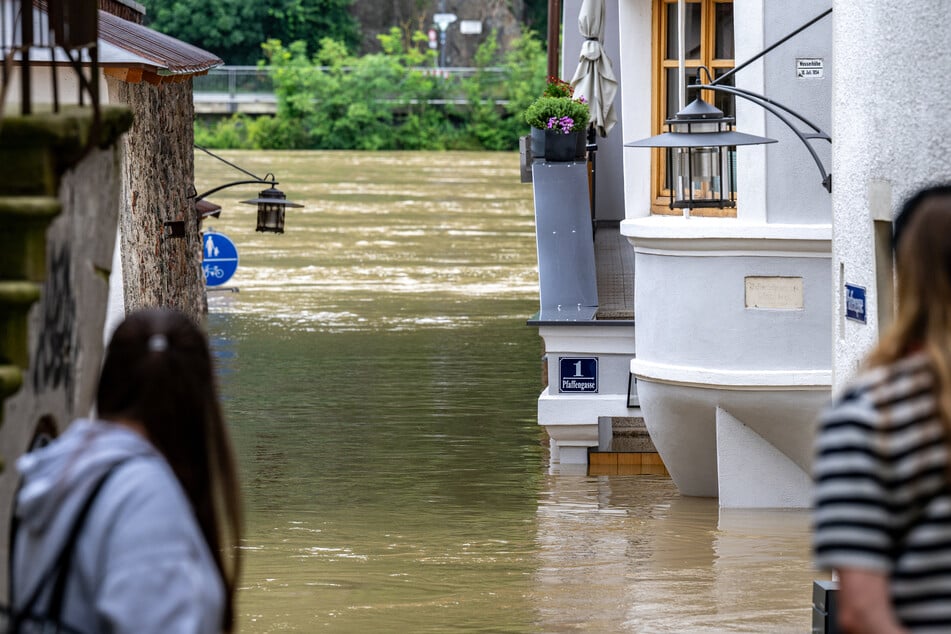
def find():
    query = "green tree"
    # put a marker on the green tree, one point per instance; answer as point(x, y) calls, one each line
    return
point(522, 80)
point(388, 100)
point(235, 29)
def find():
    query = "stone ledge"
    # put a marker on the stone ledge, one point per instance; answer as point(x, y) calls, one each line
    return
point(36, 149)
point(15, 301)
point(11, 378)
point(72, 127)
point(23, 242)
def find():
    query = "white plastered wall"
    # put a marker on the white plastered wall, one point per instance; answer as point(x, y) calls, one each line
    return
point(891, 132)
point(634, 78)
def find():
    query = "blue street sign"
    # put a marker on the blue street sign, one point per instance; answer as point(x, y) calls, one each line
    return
point(855, 302)
point(578, 374)
point(219, 258)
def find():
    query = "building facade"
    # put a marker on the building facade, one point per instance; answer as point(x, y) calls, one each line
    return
point(732, 331)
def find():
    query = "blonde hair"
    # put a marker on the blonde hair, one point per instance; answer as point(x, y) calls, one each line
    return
point(923, 262)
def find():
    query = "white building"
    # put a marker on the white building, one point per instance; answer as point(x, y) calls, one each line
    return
point(740, 329)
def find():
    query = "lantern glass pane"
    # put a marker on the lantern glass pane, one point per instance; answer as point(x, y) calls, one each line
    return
point(698, 126)
point(270, 217)
point(697, 174)
point(704, 174)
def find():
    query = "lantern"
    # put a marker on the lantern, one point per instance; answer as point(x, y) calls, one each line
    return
point(701, 156)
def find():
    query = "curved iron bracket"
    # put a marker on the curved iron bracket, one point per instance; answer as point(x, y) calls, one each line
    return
point(259, 181)
point(779, 111)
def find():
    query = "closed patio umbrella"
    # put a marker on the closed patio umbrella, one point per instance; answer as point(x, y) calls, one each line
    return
point(594, 78)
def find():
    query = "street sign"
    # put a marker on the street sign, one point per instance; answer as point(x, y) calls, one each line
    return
point(443, 20)
point(855, 302)
point(578, 374)
point(219, 258)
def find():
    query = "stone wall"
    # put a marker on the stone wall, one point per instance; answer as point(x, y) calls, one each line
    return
point(159, 269)
point(65, 326)
point(63, 339)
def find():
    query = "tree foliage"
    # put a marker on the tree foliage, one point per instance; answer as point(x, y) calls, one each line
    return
point(389, 100)
point(235, 29)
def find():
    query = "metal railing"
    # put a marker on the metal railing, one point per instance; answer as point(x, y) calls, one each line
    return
point(231, 83)
point(52, 33)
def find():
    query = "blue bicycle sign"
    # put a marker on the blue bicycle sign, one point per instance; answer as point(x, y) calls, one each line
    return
point(219, 258)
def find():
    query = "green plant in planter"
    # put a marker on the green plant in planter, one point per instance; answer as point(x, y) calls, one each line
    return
point(558, 110)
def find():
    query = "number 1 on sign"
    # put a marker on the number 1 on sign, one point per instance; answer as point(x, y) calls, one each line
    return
point(578, 368)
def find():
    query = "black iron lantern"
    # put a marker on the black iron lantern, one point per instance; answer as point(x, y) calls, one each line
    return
point(271, 204)
point(701, 156)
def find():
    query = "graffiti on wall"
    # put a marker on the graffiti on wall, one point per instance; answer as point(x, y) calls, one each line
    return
point(54, 365)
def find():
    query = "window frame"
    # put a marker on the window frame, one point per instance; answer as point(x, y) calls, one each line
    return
point(660, 195)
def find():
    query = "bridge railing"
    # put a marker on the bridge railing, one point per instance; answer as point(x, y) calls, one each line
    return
point(240, 83)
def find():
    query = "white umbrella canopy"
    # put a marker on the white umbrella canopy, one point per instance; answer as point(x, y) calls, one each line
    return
point(594, 78)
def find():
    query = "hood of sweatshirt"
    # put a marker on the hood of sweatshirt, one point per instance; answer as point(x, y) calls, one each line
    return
point(57, 478)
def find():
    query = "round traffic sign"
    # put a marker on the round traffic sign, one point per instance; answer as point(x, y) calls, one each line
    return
point(219, 258)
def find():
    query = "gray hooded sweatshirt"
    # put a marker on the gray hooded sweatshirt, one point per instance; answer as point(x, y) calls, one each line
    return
point(141, 563)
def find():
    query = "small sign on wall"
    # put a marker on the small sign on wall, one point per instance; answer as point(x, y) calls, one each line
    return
point(855, 302)
point(470, 27)
point(778, 293)
point(578, 374)
point(809, 68)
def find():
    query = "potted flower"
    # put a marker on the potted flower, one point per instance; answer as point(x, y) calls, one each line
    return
point(558, 122)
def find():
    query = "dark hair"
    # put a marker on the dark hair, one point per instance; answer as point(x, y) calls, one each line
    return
point(911, 206)
point(158, 372)
point(922, 239)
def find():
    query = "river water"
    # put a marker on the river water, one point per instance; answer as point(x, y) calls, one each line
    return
point(381, 386)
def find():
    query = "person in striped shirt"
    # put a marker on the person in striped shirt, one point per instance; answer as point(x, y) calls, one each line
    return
point(883, 505)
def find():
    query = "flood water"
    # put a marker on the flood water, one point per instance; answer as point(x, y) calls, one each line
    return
point(381, 385)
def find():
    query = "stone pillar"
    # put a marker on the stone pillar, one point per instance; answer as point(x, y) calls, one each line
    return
point(159, 269)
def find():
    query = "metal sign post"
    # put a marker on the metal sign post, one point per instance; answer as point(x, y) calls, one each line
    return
point(443, 20)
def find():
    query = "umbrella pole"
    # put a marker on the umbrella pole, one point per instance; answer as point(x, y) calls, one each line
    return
point(592, 148)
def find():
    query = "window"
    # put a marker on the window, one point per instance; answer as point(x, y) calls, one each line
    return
point(708, 41)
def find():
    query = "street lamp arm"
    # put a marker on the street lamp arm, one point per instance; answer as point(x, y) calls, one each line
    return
point(780, 111)
point(769, 48)
point(227, 162)
point(256, 181)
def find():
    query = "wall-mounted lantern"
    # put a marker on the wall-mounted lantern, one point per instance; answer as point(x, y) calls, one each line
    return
point(271, 205)
point(700, 142)
point(271, 202)
point(700, 145)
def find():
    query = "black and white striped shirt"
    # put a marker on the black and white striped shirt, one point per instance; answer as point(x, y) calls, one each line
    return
point(882, 496)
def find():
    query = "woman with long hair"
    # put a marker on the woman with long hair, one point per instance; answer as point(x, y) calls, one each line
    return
point(144, 498)
point(883, 506)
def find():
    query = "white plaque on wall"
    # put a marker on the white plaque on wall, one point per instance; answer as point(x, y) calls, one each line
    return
point(783, 293)
point(470, 27)
point(810, 68)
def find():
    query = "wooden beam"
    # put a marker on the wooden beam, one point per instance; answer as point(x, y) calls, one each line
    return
point(554, 37)
point(153, 78)
point(128, 75)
